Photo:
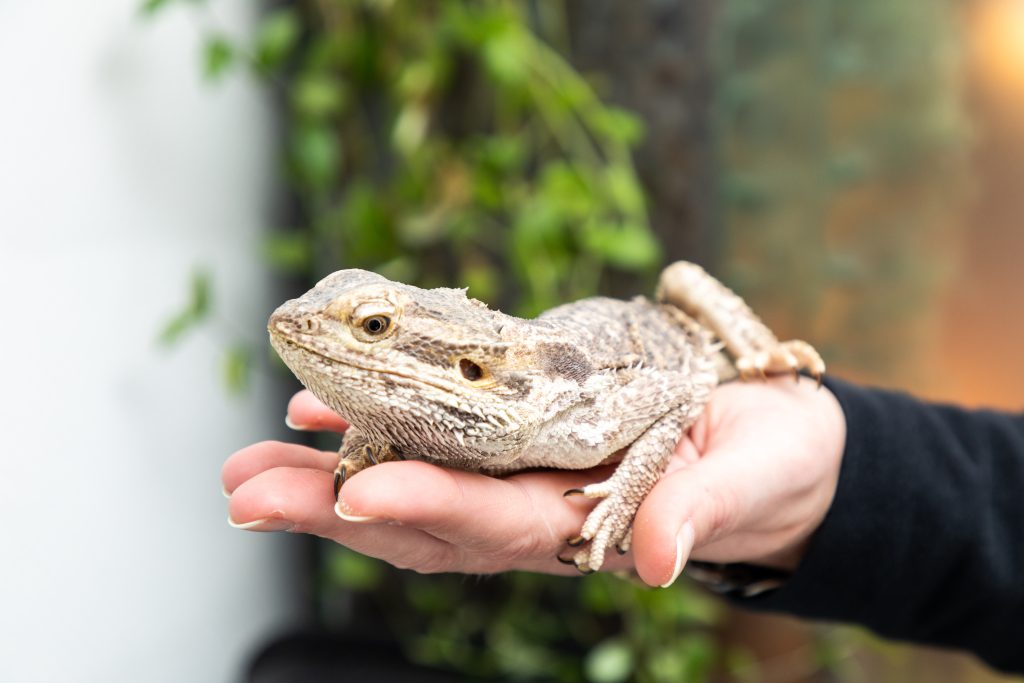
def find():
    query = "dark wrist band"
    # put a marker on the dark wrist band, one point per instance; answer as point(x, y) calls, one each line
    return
point(738, 579)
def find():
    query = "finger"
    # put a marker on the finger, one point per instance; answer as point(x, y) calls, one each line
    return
point(689, 507)
point(252, 460)
point(306, 412)
point(301, 500)
point(520, 522)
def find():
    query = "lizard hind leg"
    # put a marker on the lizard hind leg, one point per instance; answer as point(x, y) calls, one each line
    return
point(756, 350)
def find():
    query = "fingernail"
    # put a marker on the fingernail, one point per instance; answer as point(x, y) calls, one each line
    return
point(224, 491)
point(265, 524)
point(342, 511)
point(684, 544)
point(291, 425)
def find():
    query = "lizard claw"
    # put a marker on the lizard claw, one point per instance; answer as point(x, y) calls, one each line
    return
point(785, 357)
point(573, 492)
point(355, 456)
point(577, 560)
point(576, 541)
point(622, 547)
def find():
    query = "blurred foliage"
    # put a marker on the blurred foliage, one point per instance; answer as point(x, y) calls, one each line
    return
point(449, 142)
point(445, 142)
point(533, 627)
point(842, 137)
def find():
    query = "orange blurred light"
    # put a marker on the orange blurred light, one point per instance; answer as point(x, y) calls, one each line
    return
point(998, 42)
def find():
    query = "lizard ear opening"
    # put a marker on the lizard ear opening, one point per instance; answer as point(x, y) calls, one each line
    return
point(470, 370)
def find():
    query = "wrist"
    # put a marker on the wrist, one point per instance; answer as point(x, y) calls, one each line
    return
point(786, 521)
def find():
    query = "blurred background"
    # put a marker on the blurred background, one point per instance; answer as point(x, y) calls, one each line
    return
point(170, 170)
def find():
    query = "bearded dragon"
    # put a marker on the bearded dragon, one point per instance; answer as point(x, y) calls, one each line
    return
point(433, 375)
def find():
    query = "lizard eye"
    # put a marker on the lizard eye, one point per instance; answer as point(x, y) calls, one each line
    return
point(470, 370)
point(376, 324)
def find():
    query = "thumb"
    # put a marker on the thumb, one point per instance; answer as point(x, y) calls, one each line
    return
point(688, 508)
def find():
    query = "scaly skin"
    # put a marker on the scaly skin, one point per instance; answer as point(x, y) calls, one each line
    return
point(433, 375)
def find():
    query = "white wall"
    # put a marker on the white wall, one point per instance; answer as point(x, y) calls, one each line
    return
point(119, 170)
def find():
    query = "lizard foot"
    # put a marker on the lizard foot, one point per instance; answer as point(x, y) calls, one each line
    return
point(608, 525)
point(787, 357)
point(358, 460)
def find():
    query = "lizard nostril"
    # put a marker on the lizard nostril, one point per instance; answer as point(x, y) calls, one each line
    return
point(309, 325)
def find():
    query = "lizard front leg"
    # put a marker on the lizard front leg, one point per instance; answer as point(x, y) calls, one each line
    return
point(756, 350)
point(357, 453)
point(610, 522)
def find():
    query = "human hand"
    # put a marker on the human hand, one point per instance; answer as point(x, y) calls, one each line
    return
point(750, 483)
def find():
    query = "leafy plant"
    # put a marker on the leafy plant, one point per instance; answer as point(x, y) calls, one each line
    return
point(447, 142)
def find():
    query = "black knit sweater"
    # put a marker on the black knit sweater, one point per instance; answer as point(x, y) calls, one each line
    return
point(925, 538)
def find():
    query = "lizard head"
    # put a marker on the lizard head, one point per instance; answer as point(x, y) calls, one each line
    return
point(423, 369)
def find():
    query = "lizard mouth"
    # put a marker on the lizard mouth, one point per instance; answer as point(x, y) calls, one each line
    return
point(293, 344)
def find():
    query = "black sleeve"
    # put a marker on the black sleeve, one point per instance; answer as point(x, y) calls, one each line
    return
point(925, 537)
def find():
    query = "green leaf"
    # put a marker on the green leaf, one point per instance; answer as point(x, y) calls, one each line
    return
point(318, 95)
point(501, 153)
point(618, 125)
point(316, 154)
point(610, 662)
point(354, 571)
point(276, 37)
point(536, 222)
point(289, 252)
point(565, 186)
point(235, 368)
point(153, 6)
point(218, 54)
point(629, 246)
point(482, 280)
point(506, 55)
point(410, 128)
point(417, 79)
point(195, 310)
point(624, 189)
point(175, 328)
point(200, 288)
